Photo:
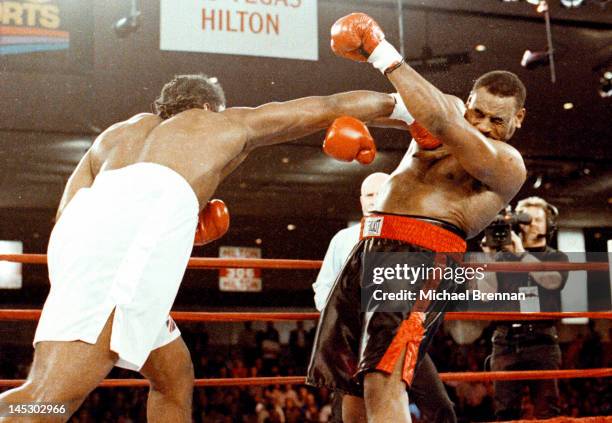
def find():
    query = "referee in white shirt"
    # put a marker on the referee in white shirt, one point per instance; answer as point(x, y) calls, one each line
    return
point(427, 389)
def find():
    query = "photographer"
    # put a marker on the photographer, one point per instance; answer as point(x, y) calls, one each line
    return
point(526, 345)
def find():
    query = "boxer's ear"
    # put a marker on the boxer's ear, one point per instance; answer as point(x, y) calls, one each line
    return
point(520, 115)
point(469, 100)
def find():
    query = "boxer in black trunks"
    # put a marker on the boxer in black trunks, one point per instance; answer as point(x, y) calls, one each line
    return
point(449, 186)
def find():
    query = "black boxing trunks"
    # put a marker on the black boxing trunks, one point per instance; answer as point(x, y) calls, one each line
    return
point(351, 342)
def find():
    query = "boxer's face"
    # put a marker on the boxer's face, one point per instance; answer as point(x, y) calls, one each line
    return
point(494, 116)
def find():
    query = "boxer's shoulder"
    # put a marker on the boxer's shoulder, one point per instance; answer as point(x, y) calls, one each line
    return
point(137, 122)
point(199, 120)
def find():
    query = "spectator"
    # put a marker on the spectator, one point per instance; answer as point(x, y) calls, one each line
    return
point(527, 345)
point(270, 347)
point(299, 346)
point(247, 341)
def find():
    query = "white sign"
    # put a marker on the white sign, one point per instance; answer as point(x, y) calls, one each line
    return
point(270, 28)
point(240, 280)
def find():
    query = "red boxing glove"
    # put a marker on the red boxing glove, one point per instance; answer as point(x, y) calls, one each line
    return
point(355, 36)
point(358, 37)
point(348, 139)
point(423, 137)
point(213, 223)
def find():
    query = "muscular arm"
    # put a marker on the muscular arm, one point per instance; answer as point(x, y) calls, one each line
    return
point(494, 163)
point(275, 123)
point(82, 177)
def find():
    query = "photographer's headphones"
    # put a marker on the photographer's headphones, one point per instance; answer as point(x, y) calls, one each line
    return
point(551, 213)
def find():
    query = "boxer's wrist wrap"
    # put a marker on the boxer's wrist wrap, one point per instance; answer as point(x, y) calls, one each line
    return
point(400, 112)
point(384, 56)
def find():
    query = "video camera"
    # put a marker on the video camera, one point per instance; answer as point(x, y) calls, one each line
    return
point(497, 234)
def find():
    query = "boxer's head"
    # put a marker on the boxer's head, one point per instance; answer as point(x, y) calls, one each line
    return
point(190, 92)
point(496, 104)
point(369, 190)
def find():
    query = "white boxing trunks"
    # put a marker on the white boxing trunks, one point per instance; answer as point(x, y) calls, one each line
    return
point(121, 245)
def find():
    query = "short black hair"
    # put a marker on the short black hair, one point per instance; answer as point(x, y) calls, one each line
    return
point(503, 84)
point(189, 92)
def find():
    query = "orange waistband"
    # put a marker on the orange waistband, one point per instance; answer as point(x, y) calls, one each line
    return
point(411, 231)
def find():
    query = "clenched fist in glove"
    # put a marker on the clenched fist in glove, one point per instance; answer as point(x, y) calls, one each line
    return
point(423, 137)
point(213, 223)
point(420, 134)
point(348, 139)
point(358, 37)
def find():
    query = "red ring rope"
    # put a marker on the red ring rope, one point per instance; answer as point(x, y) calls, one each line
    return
point(200, 316)
point(219, 263)
point(282, 380)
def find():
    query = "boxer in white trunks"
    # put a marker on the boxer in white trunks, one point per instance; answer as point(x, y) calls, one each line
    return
point(125, 231)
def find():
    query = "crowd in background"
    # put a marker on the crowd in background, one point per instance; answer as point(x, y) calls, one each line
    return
point(260, 353)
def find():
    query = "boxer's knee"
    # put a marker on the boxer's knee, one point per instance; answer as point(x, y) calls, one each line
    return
point(169, 370)
point(179, 377)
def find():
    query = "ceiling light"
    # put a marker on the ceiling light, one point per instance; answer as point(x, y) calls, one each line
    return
point(285, 160)
point(571, 3)
point(568, 106)
point(538, 182)
point(542, 7)
point(128, 24)
point(605, 87)
point(291, 227)
point(258, 241)
point(533, 59)
point(480, 47)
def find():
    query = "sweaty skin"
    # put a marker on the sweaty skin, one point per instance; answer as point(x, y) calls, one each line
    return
point(473, 175)
point(204, 146)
